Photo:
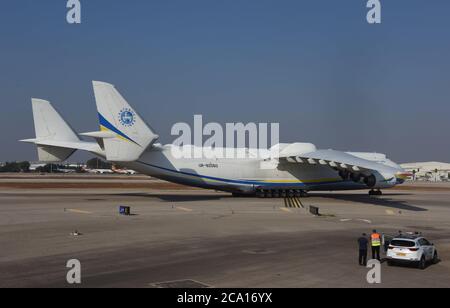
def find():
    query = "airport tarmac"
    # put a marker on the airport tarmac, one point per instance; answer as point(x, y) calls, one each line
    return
point(205, 238)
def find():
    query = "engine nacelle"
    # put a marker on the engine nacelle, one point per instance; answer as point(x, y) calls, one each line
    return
point(356, 177)
point(370, 181)
point(378, 181)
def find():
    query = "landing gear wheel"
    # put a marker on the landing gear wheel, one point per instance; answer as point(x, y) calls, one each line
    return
point(290, 194)
point(304, 194)
point(374, 192)
point(422, 263)
point(435, 258)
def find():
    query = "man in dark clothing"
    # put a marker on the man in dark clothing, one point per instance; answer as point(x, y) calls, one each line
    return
point(363, 244)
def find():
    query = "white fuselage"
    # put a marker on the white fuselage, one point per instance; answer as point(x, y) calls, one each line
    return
point(243, 175)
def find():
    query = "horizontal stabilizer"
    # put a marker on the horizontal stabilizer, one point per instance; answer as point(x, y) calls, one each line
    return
point(100, 134)
point(49, 154)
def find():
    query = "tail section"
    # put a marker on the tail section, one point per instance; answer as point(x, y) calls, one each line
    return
point(51, 130)
point(48, 123)
point(132, 135)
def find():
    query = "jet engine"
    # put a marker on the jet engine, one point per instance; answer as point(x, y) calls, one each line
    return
point(370, 181)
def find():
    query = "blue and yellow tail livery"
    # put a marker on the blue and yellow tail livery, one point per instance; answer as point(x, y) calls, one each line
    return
point(132, 135)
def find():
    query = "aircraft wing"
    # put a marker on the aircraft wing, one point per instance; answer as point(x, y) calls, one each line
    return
point(334, 159)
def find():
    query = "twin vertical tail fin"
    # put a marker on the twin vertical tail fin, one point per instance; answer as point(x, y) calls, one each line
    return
point(52, 133)
point(124, 136)
point(132, 135)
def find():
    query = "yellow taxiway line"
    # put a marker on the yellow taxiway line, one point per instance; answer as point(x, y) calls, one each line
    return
point(293, 202)
point(285, 209)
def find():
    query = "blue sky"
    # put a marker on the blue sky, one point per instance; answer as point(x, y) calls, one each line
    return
point(314, 66)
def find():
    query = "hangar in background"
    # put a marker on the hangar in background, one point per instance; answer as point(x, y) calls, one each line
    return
point(429, 171)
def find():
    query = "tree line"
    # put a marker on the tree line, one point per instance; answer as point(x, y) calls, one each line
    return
point(24, 167)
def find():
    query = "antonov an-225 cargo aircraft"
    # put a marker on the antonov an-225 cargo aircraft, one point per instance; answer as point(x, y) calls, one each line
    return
point(289, 169)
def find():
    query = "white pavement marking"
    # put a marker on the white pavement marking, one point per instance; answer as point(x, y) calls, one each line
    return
point(360, 219)
point(184, 209)
point(365, 220)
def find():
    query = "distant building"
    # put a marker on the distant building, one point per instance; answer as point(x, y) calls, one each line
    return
point(429, 171)
point(34, 166)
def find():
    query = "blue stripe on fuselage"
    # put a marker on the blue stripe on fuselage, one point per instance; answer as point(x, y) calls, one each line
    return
point(301, 184)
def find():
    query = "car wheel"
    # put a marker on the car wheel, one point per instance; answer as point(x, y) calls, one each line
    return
point(390, 263)
point(422, 263)
point(435, 258)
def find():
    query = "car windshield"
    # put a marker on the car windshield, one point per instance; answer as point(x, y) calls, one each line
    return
point(403, 243)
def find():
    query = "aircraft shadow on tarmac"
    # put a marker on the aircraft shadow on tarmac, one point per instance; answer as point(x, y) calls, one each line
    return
point(384, 201)
point(175, 198)
point(377, 201)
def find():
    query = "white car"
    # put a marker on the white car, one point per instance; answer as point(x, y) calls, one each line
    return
point(412, 249)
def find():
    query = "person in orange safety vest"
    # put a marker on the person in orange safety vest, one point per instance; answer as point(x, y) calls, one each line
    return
point(375, 240)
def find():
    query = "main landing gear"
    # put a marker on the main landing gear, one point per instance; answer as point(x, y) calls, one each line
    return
point(374, 192)
point(281, 193)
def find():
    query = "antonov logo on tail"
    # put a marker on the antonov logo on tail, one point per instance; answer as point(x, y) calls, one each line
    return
point(127, 117)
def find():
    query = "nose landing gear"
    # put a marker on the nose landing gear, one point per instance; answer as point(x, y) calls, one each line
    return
point(374, 192)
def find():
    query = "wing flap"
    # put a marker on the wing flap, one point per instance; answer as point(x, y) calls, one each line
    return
point(333, 159)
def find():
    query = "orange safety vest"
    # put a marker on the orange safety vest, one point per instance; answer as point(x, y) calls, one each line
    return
point(376, 240)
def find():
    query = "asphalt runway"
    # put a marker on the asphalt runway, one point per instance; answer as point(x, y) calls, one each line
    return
point(182, 237)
